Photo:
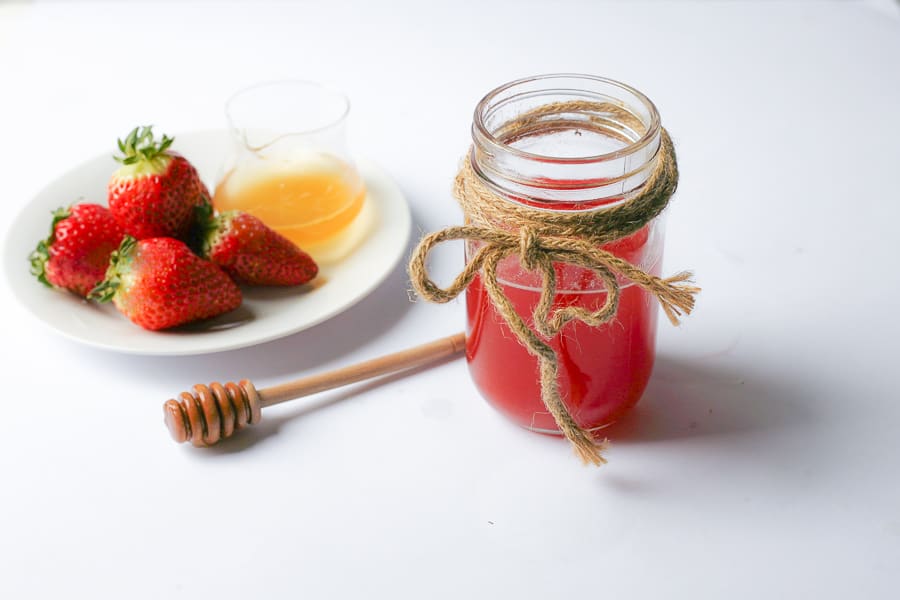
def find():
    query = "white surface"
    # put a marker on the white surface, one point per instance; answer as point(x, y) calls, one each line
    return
point(763, 461)
point(266, 313)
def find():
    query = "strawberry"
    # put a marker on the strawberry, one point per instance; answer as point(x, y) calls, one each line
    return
point(251, 252)
point(75, 255)
point(159, 283)
point(154, 192)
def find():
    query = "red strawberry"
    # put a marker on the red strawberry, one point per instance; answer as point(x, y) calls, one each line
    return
point(252, 253)
point(76, 254)
point(154, 192)
point(159, 283)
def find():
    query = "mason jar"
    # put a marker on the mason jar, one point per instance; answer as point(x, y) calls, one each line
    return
point(594, 145)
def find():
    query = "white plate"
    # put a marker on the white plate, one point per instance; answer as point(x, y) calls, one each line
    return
point(267, 313)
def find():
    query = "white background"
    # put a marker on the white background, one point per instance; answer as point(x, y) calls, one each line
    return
point(764, 460)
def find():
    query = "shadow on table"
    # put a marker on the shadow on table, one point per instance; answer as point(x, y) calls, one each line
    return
point(742, 426)
point(690, 398)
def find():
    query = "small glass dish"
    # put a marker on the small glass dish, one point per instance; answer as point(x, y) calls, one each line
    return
point(289, 165)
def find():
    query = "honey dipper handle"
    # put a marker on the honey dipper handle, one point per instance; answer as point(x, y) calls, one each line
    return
point(391, 363)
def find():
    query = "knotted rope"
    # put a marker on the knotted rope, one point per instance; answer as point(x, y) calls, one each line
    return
point(541, 238)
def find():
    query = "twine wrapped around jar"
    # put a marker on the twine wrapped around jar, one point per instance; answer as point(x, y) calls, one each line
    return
point(540, 238)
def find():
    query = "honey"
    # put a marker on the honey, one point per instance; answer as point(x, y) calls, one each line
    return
point(312, 200)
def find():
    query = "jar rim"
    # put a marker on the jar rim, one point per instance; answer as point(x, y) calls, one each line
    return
point(479, 126)
point(307, 85)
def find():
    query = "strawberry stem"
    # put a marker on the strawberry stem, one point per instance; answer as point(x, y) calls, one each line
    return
point(41, 254)
point(216, 225)
point(38, 258)
point(106, 289)
point(140, 145)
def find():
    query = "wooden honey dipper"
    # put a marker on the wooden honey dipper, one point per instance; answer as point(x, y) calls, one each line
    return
point(216, 411)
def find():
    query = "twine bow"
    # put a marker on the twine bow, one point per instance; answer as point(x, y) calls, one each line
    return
point(541, 238)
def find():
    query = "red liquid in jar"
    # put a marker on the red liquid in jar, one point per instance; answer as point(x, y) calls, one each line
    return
point(602, 370)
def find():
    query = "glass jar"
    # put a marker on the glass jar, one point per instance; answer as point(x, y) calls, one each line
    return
point(581, 159)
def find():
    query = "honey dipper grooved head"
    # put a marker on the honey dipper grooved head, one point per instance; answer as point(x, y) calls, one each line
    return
point(212, 412)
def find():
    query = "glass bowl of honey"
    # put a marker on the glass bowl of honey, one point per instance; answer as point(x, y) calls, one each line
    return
point(289, 166)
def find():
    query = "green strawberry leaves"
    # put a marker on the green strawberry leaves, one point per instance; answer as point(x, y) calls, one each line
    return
point(38, 259)
point(106, 289)
point(41, 254)
point(140, 145)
